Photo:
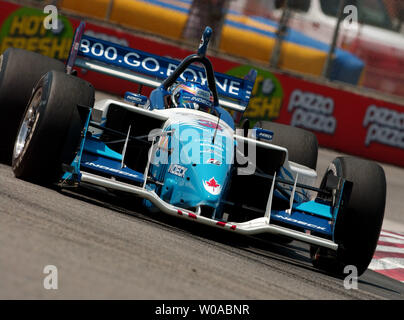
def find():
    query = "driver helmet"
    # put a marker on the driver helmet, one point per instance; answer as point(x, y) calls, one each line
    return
point(192, 95)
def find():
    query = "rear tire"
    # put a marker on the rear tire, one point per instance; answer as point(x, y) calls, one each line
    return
point(20, 70)
point(51, 127)
point(360, 220)
point(302, 145)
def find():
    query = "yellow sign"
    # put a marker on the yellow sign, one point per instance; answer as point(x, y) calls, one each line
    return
point(24, 29)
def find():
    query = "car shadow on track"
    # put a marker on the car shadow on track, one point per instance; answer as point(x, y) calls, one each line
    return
point(267, 246)
point(264, 249)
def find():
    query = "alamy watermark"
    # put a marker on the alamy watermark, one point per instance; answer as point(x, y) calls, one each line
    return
point(51, 21)
point(351, 280)
point(350, 22)
point(50, 282)
point(190, 145)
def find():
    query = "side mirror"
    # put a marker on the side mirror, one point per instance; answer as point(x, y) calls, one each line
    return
point(137, 99)
point(262, 134)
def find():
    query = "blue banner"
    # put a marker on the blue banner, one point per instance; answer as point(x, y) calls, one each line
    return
point(161, 67)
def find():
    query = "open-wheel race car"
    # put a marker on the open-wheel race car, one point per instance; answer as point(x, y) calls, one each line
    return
point(186, 149)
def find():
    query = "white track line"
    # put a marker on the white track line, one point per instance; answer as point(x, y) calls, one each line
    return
point(391, 240)
point(392, 235)
point(391, 267)
point(390, 249)
point(386, 263)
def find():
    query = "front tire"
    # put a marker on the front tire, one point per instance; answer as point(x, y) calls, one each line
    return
point(359, 221)
point(20, 70)
point(50, 130)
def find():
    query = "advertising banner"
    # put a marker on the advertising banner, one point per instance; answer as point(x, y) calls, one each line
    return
point(346, 121)
point(349, 122)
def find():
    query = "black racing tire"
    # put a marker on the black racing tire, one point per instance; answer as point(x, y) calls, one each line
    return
point(360, 219)
point(50, 130)
point(302, 145)
point(20, 70)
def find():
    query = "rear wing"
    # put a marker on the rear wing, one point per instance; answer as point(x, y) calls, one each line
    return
point(151, 70)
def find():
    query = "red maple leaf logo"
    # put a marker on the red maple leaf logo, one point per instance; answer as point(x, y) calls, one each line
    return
point(212, 183)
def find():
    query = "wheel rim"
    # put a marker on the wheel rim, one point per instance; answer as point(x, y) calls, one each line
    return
point(28, 124)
